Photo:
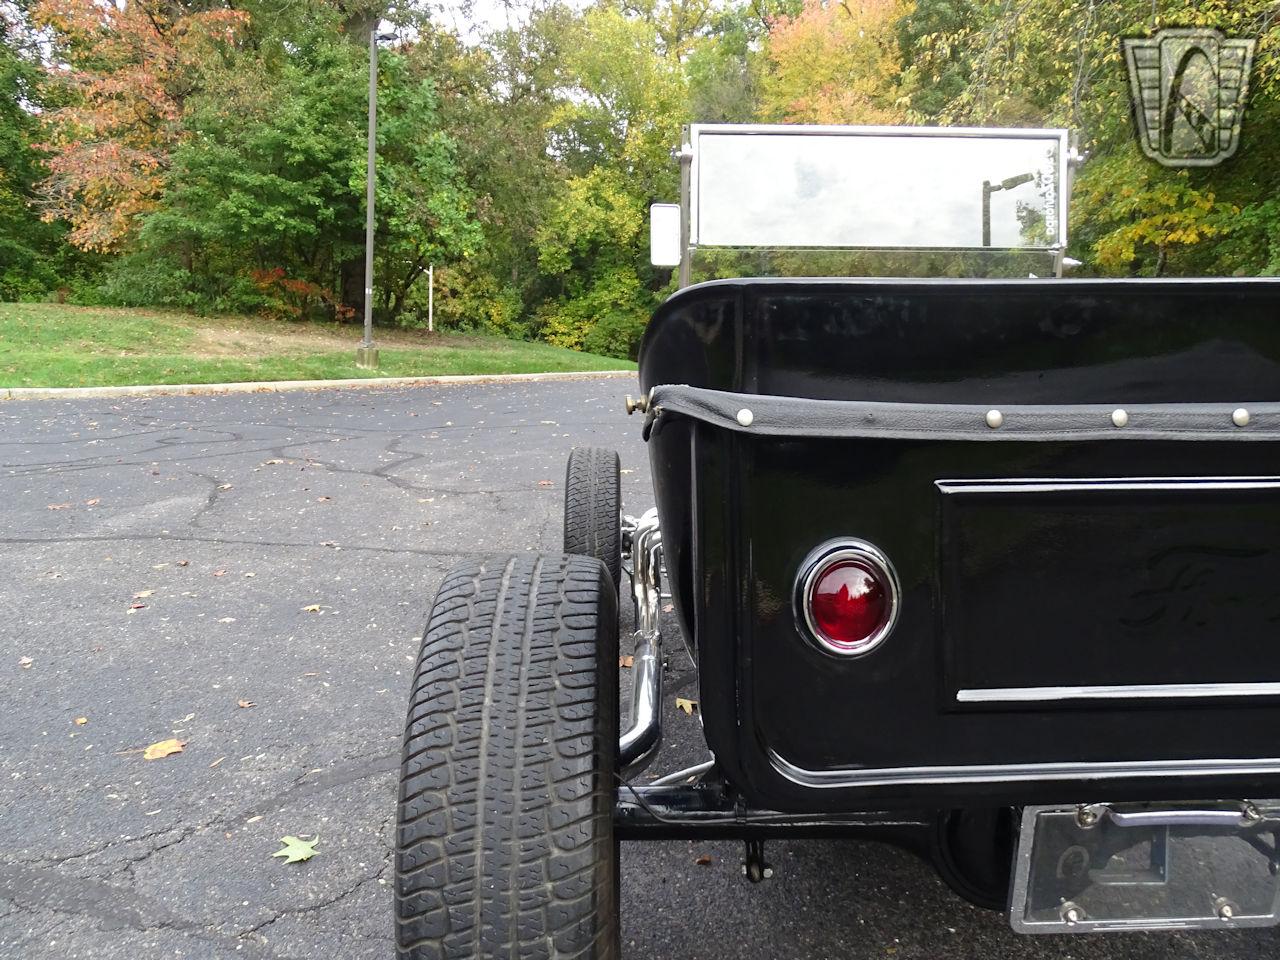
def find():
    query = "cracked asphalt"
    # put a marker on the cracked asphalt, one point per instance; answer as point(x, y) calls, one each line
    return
point(167, 560)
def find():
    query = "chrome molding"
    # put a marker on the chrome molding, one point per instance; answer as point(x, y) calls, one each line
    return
point(1107, 483)
point(1126, 691)
point(1020, 772)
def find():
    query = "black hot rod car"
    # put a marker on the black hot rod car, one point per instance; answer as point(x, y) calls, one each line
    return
point(983, 568)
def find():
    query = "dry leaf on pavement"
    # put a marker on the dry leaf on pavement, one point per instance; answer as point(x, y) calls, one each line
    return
point(245, 704)
point(704, 860)
point(143, 594)
point(311, 608)
point(81, 721)
point(688, 706)
point(59, 506)
point(163, 748)
point(296, 850)
point(627, 661)
point(25, 663)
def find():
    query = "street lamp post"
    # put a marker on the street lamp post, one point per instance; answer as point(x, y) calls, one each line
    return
point(988, 188)
point(367, 353)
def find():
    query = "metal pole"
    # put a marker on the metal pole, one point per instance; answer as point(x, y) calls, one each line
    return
point(367, 355)
point(431, 298)
point(686, 254)
point(986, 212)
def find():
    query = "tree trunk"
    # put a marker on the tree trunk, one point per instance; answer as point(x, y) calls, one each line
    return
point(351, 285)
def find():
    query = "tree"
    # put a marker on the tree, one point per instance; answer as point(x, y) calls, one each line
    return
point(836, 61)
point(124, 74)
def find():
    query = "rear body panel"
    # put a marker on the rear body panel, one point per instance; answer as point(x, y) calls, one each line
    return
point(1079, 618)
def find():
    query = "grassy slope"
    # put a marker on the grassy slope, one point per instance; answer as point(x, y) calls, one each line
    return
point(51, 345)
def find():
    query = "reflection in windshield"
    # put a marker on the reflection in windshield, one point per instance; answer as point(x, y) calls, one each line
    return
point(797, 190)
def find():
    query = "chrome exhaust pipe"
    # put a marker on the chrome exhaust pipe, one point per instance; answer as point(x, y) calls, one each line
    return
point(640, 741)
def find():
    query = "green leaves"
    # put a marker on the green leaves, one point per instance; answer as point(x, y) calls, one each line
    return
point(295, 850)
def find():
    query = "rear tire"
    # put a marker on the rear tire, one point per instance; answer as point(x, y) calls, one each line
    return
point(504, 836)
point(593, 507)
point(973, 853)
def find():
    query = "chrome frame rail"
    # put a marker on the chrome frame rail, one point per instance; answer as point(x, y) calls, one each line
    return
point(642, 543)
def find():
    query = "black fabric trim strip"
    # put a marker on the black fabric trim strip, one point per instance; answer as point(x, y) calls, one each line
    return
point(801, 417)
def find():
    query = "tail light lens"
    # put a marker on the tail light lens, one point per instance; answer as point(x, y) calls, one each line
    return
point(847, 597)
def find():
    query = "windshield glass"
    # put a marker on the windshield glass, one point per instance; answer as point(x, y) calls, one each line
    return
point(875, 188)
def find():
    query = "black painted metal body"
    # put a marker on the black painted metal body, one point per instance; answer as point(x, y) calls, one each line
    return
point(1024, 564)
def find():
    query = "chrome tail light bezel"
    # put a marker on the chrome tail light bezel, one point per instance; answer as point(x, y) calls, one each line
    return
point(818, 560)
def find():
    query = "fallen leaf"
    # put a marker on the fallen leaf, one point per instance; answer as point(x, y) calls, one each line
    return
point(219, 573)
point(704, 860)
point(143, 594)
point(224, 486)
point(688, 706)
point(546, 483)
point(92, 503)
point(627, 661)
point(214, 764)
point(81, 721)
point(271, 461)
point(183, 563)
point(137, 606)
point(322, 499)
point(667, 607)
point(59, 506)
point(25, 663)
point(163, 748)
point(253, 819)
point(245, 704)
point(311, 608)
point(296, 850)
point(426, 499)
point(226, 619)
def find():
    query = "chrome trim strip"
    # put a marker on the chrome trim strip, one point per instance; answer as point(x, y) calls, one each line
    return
point(1123, 691)
point(1107, 483)
point(1015, 772)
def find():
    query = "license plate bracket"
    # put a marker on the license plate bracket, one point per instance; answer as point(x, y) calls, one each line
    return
point(1118, 867)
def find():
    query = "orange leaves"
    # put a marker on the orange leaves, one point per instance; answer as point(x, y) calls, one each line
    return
point(834, 63)
point(163, 748)
point(129, 68)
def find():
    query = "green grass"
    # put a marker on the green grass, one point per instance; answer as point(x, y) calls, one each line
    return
point(52, 345)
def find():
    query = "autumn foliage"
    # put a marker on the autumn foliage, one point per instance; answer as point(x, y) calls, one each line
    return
point(835, 62)
point(128, 70)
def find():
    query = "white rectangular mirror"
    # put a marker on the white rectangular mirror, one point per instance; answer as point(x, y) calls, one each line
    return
point(664, 234)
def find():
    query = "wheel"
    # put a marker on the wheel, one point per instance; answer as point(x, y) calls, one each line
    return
point(973, 852)
point(504, 832)
point(593, 507)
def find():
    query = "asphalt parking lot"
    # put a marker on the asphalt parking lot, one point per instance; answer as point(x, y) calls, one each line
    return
point(249, 574)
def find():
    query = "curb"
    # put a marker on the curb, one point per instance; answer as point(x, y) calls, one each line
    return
point(285, 386)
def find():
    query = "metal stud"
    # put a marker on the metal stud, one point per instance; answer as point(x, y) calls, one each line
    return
point(1120, 418)
point(1240, 417)
point(994, 419)
point(745, 417)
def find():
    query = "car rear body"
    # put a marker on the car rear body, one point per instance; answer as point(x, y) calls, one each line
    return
point(1078, 486)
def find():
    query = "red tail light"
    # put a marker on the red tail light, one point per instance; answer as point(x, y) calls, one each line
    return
point(847, 595)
